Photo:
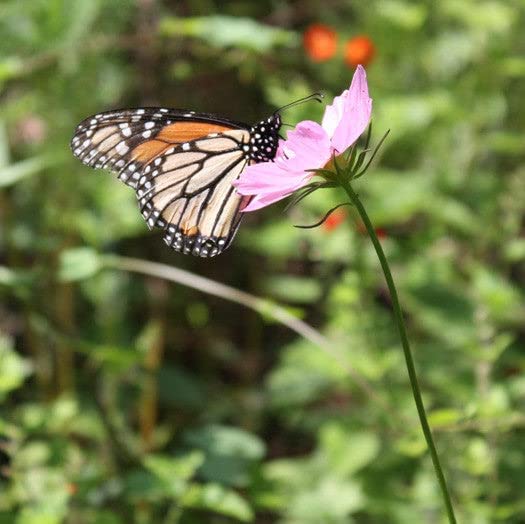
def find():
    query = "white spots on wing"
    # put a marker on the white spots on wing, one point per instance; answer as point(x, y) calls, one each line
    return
point(122, 148)
point(186, 146)
point(146, 134)
point(132, 167)
point(149, 125)
point(140, 111)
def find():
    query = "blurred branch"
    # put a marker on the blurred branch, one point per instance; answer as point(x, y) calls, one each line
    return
point(264, 307)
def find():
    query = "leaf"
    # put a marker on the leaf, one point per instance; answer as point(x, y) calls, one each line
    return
point(395, 197)
point(347, 451)
point(13, 173)
point(78, 264)
point(293, 289)
point(501, 298)
point(444, 310)
point(8, 277)
point(166, 467)
point(13, 368)
point(216, 498)
point(179, 388)
point(174, 472)
point(230, 453)
point(444, 417)
point(403, 14)
point(143, 485)
point(331, 500)
point(228, 31)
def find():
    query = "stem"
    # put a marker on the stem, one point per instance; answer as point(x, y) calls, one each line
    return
point(406, 349)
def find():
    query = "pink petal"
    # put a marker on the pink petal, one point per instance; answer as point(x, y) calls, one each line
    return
point(259, 177)
point(307, 147)
point(334, 113)
point(264, 200)
point(357, 110)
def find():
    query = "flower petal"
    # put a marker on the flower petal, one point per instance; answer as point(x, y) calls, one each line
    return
point(264, 200)
point(307, 147)
point(260, 177)
point(357, 110)
point(334, 113)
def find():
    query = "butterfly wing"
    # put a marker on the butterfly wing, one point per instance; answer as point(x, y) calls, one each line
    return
point(181, 165)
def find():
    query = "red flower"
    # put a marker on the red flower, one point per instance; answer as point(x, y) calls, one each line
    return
point(320, 42)
point(359, 50)
point(334, 220)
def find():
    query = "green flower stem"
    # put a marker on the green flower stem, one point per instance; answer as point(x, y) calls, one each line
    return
point(406, 349)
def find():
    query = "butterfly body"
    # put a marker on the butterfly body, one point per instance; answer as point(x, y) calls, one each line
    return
point(181, 165)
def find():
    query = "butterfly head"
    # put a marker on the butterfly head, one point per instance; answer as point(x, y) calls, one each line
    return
point(264, 138)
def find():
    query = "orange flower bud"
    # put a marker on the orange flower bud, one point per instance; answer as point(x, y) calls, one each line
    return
point(359, 50)
point(320, 42)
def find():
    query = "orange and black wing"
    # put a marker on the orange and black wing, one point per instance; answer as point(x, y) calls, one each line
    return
point(182, 166)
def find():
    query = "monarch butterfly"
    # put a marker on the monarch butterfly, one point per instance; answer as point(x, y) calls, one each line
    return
point(181, 165)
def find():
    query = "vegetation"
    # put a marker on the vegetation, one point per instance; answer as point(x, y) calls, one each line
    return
point(127, 395)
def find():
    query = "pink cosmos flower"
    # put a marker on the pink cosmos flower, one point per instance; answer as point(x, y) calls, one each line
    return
point(309, 146)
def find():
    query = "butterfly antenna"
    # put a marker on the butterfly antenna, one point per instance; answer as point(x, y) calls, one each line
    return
point(314, 96)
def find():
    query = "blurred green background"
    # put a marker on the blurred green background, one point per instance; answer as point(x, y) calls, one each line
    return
point(130, 399)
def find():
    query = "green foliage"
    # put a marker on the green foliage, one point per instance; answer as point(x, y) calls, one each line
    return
point(128, 399)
